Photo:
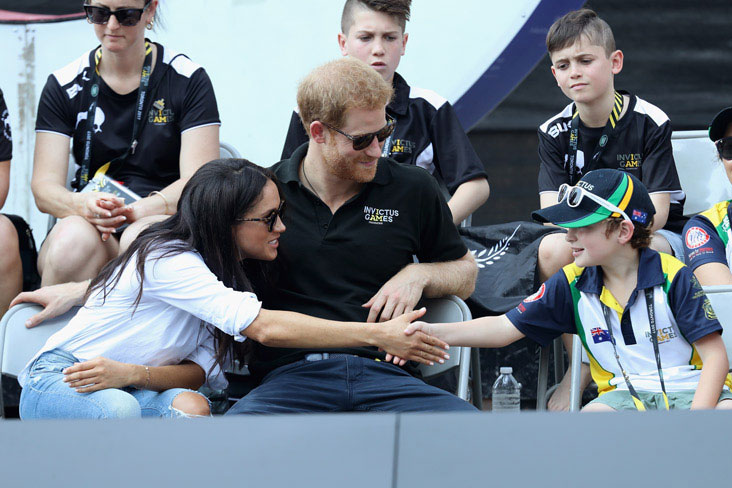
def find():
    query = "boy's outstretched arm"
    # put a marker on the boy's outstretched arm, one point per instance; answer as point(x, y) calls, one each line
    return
point(482, 332)
point(716, 365)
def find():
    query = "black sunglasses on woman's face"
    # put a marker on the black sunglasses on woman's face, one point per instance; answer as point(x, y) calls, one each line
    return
point(271, 219)
point(125, 16)
point(724, 148)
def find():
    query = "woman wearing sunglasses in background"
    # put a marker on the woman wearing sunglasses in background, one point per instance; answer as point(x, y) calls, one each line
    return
point(145, 115)
point(163, 315)
point(707, 236)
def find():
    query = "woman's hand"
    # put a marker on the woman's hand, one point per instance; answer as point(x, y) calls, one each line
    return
point(102, 373)
point(417, 346)
point(104, 211)
point(55, 299)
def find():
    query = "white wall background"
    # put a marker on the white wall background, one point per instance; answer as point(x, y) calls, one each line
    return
point(255, 51)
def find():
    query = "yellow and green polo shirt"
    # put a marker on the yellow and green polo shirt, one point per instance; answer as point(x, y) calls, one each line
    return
point(707, 236)
point(571, 302)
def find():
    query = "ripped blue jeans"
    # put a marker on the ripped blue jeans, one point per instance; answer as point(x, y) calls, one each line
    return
point(45, 395)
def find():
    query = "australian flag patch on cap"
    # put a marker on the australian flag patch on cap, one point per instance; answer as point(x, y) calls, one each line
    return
point(640, 217)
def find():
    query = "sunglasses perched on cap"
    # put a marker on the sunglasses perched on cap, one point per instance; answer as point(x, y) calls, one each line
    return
point(271, 219)
point(575, 194)
point(363, 141)
point(724, 148)
point(125, 16)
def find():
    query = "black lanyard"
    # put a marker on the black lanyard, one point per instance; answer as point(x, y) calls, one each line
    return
point(654, 339)
point(139, 113)
point(601, 144)
point(386, 150)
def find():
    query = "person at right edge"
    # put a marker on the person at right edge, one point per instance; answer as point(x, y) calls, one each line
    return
point(427, 131)
point(707, 235)
point(601, 128)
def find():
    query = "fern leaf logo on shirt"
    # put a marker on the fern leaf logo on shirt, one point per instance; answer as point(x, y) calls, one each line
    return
point(379, 216)
point(159, 115)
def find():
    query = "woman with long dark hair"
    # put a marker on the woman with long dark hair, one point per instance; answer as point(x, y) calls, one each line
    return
point(162, 316)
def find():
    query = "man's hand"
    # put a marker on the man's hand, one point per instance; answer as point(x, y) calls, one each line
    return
point(398, 296)
point(101, 373)
point(56, 300)
point(416, 346)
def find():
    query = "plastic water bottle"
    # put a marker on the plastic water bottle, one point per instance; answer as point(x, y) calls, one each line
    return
point(506, 392)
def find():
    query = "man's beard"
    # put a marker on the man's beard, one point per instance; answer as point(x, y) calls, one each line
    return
point(347, 168)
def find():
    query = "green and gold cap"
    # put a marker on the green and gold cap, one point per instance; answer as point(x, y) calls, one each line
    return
point(621, 189)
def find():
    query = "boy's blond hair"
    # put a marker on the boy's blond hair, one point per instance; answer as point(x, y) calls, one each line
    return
point(335, 87)
point(570, 29)
point(398, 9)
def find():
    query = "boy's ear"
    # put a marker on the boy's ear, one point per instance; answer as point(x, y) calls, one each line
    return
point(317, 131)
point(626, 232)
point(616, 61)
point(554, 74)
point(342, 43)
point(405, 38)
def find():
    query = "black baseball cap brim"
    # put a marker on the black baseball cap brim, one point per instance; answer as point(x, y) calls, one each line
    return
point(561, 214)
point(618, 188)
point(720, 123)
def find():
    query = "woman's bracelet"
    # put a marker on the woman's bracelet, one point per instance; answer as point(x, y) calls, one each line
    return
point(147, 381)
point(165, 199)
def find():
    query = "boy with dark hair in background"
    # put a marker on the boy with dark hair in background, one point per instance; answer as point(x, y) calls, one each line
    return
point(602, 128)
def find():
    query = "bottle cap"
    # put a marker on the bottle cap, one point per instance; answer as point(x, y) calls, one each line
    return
point(506, 370)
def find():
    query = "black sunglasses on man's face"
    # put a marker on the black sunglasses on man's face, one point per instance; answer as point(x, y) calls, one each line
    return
point(363, 141)
point(125, 16)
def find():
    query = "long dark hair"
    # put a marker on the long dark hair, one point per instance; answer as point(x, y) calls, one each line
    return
point(219, 193)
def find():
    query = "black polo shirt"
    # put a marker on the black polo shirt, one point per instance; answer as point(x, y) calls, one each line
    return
point(181, 98)
point(333, 263)
point(639, 145)
point(6, 138)
point(427, 134)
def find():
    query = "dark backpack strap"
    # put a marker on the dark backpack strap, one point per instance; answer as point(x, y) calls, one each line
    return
point(28, 253)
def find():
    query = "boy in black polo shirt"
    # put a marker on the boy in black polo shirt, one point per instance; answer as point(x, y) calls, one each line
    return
point(602, 128)
point(428, 133)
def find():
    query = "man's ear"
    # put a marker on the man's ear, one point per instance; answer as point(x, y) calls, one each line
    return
point(317, 131)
